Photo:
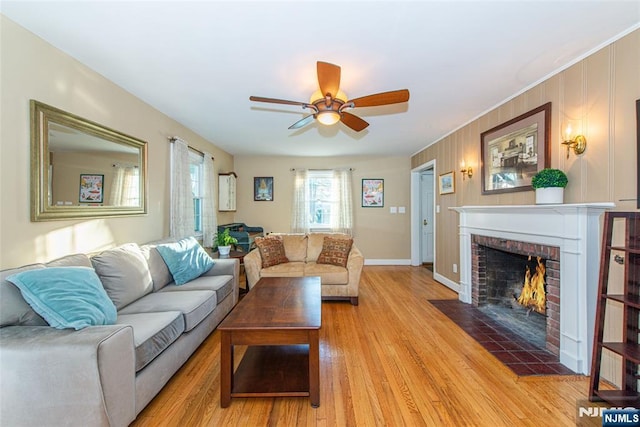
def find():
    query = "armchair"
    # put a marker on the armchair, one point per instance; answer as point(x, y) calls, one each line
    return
point(245, 234)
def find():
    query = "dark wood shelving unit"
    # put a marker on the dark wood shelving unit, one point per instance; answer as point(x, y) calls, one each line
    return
point(628, 348)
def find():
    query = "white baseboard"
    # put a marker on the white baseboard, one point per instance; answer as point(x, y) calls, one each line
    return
point(387, 262)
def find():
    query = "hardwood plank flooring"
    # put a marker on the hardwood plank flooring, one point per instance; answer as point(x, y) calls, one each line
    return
point(393, 360)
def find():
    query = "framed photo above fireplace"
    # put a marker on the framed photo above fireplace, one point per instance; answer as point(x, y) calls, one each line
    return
point(515, 151)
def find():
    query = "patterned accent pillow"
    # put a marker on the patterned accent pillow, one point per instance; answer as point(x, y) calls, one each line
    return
point(271, 250)
point(335, 251)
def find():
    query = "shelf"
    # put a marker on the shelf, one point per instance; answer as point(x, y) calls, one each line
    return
point(631, 300)
point(622, 398)
point(630, 351)
point(629, 348)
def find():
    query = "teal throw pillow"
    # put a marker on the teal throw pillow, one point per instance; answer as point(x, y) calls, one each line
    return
point(66, 297)
point(186, 259)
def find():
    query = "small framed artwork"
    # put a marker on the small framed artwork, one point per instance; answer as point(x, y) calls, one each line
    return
point(263, 189)
point(447, 183)
point(372, 193)
point(515, 151)
point(91, 188)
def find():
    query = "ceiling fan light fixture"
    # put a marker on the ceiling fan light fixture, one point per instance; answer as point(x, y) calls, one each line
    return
point(328, 117)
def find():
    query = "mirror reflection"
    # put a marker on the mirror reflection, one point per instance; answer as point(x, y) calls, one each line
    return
point(83, 169)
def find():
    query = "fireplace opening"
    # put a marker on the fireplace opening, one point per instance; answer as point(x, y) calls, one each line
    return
point(516, 294)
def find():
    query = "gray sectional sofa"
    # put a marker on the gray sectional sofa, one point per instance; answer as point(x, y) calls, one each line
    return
point(105, 375)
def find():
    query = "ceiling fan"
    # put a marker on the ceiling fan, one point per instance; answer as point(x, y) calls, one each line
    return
point(328, 104)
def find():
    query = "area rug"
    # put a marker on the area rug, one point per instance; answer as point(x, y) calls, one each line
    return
point(522, 357)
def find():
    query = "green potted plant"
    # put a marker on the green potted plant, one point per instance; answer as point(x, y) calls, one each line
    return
point(549, 185)
point(224, 241)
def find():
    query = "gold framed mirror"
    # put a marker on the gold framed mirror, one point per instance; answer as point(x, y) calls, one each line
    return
point(80, 169)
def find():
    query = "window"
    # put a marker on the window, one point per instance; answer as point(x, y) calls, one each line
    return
point(322, 201)
point(195, 171)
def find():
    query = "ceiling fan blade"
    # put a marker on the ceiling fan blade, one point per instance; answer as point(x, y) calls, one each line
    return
point(328, 78)
point(384, 98)
point(302, 122)
point(277, 101)
point(353, 121)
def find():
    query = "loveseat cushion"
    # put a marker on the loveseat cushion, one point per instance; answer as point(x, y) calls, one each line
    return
point(14, 310)
point(124, 273)
point(66, 297)
point(271, 250)
point(329, 274)
point(288, 269)
point(194, 305)
point(295, 246)
point(222, 285)
point(186, 259)
point(316, 241)
point(335, 251)
point(152, 333)
point(160, 274)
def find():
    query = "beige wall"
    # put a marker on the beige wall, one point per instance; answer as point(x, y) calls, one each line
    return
point(379, 234)
point(600, 91)
point(33, 69)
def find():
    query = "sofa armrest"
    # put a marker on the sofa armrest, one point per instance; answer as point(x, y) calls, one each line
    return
point(252, 267)
point(355, 262)
point(66, 377)
point(229, 267)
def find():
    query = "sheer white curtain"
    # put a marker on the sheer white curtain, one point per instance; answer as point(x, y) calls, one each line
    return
point(300, 206)
point(125, 187)
point(342, 219)
point(181, 221)
point(209, 218)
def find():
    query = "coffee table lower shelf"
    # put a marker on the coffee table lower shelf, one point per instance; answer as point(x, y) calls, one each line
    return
point(273, 371)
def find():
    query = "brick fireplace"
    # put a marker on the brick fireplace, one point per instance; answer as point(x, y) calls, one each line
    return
point(568, 237)
point(485, 248)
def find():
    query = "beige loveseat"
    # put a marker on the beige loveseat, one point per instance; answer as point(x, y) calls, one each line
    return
point(302, 252)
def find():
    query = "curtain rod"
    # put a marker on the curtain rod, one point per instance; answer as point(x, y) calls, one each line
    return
point(173, 139)
point(294, 169)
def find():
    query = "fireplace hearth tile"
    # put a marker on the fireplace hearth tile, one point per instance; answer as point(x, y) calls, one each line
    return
point(519, 355)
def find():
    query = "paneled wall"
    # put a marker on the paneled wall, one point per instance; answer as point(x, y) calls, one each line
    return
point(599, 93)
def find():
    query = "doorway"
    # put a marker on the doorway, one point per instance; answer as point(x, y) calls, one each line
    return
point(423, 218)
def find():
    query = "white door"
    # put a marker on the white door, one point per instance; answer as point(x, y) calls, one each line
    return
point(426, 215)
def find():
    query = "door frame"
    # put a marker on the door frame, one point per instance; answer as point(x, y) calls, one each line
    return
point(416, 202)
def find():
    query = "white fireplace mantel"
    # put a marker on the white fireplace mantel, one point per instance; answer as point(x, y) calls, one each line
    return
point(575, 229)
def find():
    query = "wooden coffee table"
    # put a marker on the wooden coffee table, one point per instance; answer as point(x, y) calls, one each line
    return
point(280, 320)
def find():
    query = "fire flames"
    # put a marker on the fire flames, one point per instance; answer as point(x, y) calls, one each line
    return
point(533, 295)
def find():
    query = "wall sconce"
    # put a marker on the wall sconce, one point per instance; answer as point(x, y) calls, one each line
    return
point(577, 142)
point(466, 171)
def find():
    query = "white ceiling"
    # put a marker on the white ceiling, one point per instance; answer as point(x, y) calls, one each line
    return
point(198, 62)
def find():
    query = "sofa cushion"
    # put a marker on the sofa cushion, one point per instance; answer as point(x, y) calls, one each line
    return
point(14, 310)
point(271, 250)
point(186, 259)
point(295, 246)
point(75, 260)
point(222, 285)
point(124, 273)
point(335, 251)
point(288, 269)
point(66, 297)
point(160, 274)
point(329, 274)
point(152, 333)
point(194, 305)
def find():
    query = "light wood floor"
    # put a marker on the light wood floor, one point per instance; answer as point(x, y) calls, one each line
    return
point(393, 360)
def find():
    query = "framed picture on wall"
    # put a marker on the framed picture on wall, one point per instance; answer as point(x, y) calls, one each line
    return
point(91, 188)
point(263, 189)
point(372, 193)
point(515, 151)
point(447, 183)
